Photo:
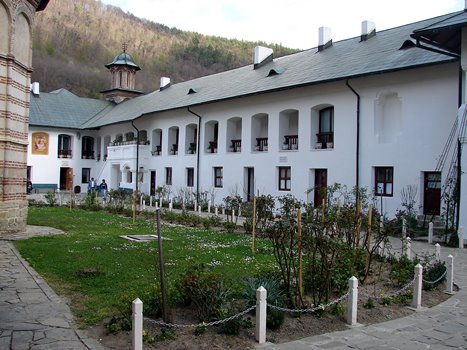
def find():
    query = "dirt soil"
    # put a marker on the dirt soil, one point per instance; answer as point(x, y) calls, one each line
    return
point(293, 328)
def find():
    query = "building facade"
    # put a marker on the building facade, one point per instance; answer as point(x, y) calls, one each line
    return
point(15, 71)
point(374, 112)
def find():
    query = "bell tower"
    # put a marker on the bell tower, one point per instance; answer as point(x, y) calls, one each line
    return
point(123, 75)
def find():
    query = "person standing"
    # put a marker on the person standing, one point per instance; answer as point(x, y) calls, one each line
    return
point(91, 185)
point(103, 187)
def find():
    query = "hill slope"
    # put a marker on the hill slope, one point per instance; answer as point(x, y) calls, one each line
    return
point(74, 40)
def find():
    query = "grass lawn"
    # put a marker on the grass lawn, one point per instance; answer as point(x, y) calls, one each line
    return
point(125, 269)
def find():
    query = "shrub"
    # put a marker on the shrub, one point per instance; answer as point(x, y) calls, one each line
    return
point(433, 272)
point(51, 199)
point(402, 271)
point(206, 291)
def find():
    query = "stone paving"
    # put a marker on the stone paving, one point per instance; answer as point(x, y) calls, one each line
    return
point(32, 316)
point(441, 327)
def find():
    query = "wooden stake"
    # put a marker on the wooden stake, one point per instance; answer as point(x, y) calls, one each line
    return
point(253, 229)
point(299, 232)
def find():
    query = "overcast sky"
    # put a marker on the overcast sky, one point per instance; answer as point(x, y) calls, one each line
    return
point(292, 23)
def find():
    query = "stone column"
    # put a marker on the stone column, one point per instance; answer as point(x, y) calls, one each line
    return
point(15, 78)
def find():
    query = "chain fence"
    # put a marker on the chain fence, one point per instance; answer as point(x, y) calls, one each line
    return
point(202, 324)
point(390, 295)
point(311, 309)
point(438, 279)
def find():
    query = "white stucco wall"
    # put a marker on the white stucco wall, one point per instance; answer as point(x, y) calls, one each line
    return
point(424, 103)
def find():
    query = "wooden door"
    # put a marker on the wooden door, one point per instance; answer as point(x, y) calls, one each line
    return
point(432, 193)
point(321, 182)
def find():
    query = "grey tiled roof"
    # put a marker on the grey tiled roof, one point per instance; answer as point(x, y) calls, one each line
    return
point(344, 59)
point(61, 108)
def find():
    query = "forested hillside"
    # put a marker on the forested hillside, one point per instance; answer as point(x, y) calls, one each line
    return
point(73, 40)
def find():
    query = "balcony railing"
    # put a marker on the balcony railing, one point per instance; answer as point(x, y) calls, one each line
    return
point(132, 142)
point(325, 140)
point(261, 144)
point(236, 145)
point(64, 153)
point(192, 148)
point(174, 149)
point(157, 151)
point(212, 148)
point(88, 155)
point(290, 142)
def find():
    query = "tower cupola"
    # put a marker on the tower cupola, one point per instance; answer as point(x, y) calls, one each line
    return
point(123, 76)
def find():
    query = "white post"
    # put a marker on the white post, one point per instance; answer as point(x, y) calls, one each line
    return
point(233, 215)
point(404, 228)
point(209, 206)
point(160, 202)
point(171, 205)
point(144, 205)
point(223, 210)
point(417, 287)
point(150, 201)
point(199, 209)
point(239, 212)
point(352, 301)
point(141, 201)
point(437, 252)
point(430, 233)
point(260, 328)
point(137, 323)
point(460, 235)
point(216, 211)
point(408, 246)
point(195, 206)
point(450, 275)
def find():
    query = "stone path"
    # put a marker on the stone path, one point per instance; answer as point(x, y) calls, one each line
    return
point(442, 327)
point(32, 316)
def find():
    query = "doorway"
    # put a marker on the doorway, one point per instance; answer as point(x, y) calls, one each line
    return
point(250, 183)
point(432, 193)
point(321, 182)
point(153, 183)
point(66, 179)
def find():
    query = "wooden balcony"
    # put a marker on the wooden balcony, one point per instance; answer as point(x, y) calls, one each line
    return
point(157, 151)
point(236, 145)
point(212, 148)
point(290, 142)
point(64, 153)
point(261, 144)
point(325, 140)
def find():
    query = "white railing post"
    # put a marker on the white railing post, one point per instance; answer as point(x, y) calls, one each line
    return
point(233, 215)
point(260, 328)
point(404, 228)
point(417, 287)
point(437, 252)
point(408, 248)
point(209, 206)
point(171, 205)
point(137, 325)
point(223, 210)
point(216, 211)
point(460, 235)
point(430, 233)
point(160, 203)
point(150, 201)
point(199, 209)
point(352, 301)
point(450, 275)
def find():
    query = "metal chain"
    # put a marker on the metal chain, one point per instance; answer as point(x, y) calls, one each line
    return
point(396, 293)
point(312, 309)
point(209, 324)
point(439, 279)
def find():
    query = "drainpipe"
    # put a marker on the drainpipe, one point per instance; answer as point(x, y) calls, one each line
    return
point(460, 100)
point(357, 150)
point(137, 156)
point(198, 152)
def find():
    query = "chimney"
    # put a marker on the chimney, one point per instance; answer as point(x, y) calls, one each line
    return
point(35, 88)
point(165, 83)
point(325, 38)
point(368, 30)
point(263, 55)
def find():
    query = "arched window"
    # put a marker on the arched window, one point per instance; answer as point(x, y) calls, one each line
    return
point(64, 146)
point(87, 147)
